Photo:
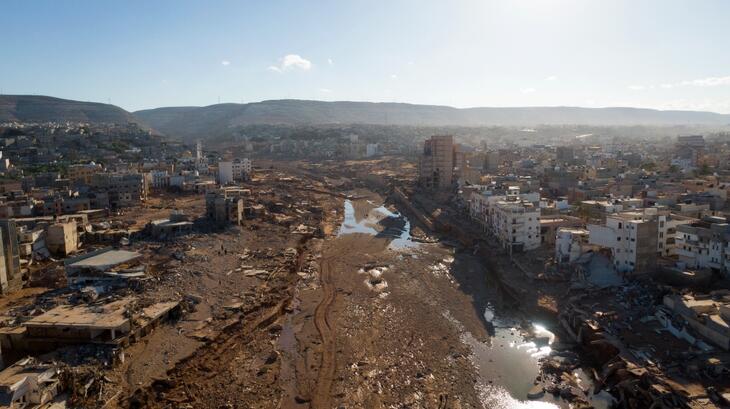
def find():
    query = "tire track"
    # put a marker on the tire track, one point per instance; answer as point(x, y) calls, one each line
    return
point(321, 398)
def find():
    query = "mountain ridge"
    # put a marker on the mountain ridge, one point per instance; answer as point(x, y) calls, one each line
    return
point(188, 122)
point(41, 108)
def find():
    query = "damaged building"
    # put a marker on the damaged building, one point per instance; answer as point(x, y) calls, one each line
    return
point(104, 264)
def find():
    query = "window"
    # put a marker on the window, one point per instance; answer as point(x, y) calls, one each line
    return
point(619, 225)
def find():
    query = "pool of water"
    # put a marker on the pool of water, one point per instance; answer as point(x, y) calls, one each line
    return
point(379, 221)
point(508, 365)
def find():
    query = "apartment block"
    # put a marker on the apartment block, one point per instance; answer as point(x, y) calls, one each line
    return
point(224, 208)
point(631, 238)
point(436, 164)
point(705, 244)
point(570, 244)
point(124, 189)
point(233, 171)
point(512, 218)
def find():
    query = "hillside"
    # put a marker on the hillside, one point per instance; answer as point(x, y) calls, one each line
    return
point(36, 108)
point(194, 122)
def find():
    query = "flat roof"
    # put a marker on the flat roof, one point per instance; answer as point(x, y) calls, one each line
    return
point(105, 259)
point(108, 316)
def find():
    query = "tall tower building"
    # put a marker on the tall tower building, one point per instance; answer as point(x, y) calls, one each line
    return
point(436, 165)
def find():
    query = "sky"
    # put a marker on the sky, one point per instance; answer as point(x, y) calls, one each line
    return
point(664, 54)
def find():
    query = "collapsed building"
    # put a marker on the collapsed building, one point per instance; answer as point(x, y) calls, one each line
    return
point(177, 224)
point(106, 264)
point(28, 382)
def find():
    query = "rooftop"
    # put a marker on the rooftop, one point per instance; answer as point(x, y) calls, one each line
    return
point(103, 259)
point(108, 316)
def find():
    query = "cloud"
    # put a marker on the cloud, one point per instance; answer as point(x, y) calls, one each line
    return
point(394, 76)
point(551, 78)
point(325, 90)
point(291, 62)
point(708, 82)
point(330, 62)
point(701, 82)
point(528, 90)
point(225, 63)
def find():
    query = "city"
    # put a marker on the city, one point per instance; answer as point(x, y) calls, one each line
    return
point(318, 249)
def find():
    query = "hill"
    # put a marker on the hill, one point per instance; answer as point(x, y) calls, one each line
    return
point(37, 108)
point(195, 122)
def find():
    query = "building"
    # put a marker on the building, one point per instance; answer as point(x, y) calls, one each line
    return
point(28, 382)
point(176, 225)
point(491, 162)
point(517, 224)
point(82, 173)
point(707, 315)
point(62, 239)
point(103, 264)
point(631, 238)
point(225, 172)
point(704, 244)
point(436, 165)
point(124, 189)
point(160, 179)
point(371, 150)
point(11, 250)
point(234, 171)
point(570, 244)
point(224, 207)
point(565, 154)
point(513, 218)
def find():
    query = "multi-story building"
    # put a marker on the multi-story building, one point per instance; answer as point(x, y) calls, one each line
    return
point(436, 164)
point(233, 171)
point(570, 244)
point(160, 179)
point(513, 218)
point(704, 244)
point(11, 252)
point(124, 189)
point(223, 207)
point(632, 239)
point(82, 173)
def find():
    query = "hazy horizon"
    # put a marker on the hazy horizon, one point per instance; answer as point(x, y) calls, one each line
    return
point(564, 53)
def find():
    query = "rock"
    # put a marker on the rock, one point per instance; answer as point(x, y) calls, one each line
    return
point(536, 392)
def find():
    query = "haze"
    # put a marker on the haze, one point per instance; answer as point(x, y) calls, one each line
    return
point(653, 54)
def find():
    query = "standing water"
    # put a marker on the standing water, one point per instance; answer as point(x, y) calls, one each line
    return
point(379, 222)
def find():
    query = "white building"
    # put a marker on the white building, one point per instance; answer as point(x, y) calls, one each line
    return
point(570, 244)
point(514, 220)
point(160, 179)
point(371, 150)
point(225, 172)
point(632, 239)
point(704, 244)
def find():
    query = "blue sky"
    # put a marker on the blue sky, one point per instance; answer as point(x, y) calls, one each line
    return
point(141, 54)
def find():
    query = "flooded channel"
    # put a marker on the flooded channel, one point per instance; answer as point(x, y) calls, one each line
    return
point(508, 363)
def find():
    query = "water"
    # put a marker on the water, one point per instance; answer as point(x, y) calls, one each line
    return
point(379, 222)
point(508, 365)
